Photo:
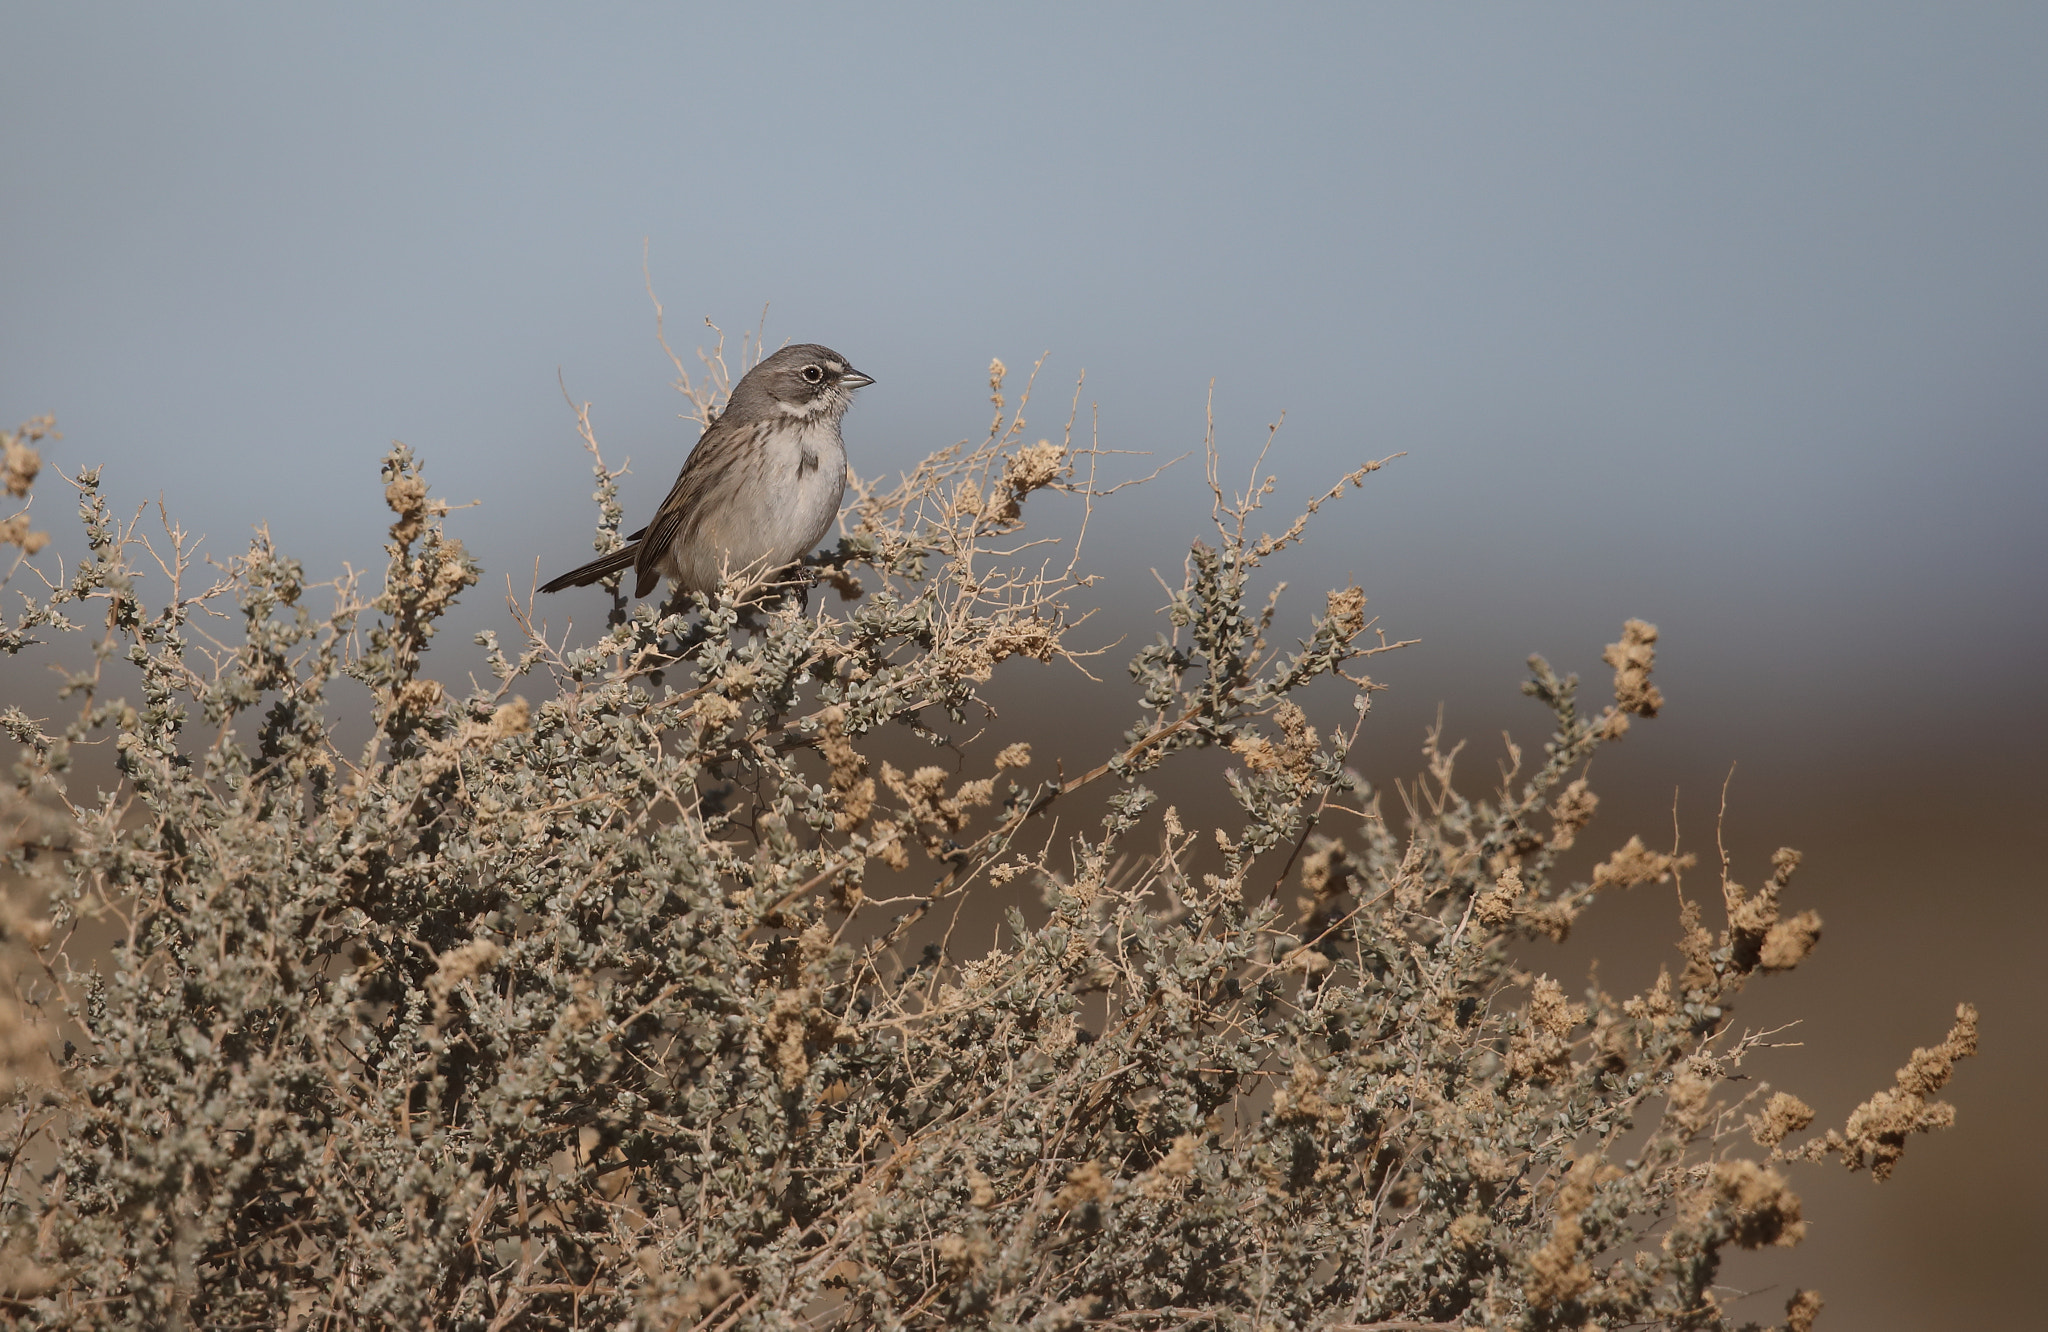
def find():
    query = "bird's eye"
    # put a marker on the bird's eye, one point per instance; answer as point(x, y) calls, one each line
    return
point(813, 375)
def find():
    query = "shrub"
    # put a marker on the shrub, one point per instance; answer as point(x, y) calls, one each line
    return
point(587, 997)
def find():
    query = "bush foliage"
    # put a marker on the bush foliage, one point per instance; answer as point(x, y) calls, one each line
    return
point(597, 996)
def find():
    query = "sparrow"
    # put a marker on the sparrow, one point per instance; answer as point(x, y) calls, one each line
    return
point(760, 489)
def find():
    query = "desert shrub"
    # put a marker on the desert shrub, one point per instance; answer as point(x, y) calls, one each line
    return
point(594, 996)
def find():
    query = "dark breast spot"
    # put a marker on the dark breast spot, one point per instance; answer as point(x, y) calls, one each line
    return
point(807, 462)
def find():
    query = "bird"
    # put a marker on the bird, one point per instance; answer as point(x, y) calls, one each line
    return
point(760, 489)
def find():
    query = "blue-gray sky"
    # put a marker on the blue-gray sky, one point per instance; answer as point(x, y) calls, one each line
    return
point(1734, 317)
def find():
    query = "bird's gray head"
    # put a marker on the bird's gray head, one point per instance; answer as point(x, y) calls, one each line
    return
point(804, 382)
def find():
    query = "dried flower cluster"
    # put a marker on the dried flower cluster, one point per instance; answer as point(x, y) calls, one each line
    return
point(596, 996)
point(20, 461)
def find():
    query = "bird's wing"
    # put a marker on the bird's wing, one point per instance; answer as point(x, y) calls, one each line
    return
point(717, 451)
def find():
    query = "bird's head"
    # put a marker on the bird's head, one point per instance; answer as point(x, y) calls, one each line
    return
point(805, 381)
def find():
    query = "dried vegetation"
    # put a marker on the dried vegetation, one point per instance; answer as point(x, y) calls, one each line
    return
point(594, 996)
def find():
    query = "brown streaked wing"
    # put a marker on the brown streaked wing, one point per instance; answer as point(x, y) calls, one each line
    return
point(718, 449)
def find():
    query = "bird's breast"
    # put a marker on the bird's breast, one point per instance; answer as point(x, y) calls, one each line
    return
point(767, 510)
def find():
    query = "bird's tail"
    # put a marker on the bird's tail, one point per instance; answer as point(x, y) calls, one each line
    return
point(601, 567)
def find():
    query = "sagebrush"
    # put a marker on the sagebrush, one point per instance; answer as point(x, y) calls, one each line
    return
point(607, 994)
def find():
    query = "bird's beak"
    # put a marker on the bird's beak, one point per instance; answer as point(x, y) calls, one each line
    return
point(854, 379)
